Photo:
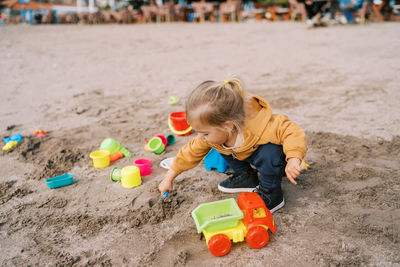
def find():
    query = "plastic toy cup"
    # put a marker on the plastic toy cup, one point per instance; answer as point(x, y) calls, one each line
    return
point(178, 124)
point(110, 144)
point(113, 146)
point(163, 139)
point(115, 174)
point(130, 177)
point(101, 158)
point(170, 139)
point(167, 163)
point(144, 165)
point(156, 145)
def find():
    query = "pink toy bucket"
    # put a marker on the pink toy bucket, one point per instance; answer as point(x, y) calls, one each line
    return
point(163, 139)
point(144, 165)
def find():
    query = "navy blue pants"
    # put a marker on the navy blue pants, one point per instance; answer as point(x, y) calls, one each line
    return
point(269, 161)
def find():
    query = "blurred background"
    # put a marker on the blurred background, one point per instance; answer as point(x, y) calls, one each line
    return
point(313, 12)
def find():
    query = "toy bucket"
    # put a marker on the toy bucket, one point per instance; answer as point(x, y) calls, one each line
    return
point(110, 144)
point(130, 177)
point(156, 145)
point(178, 124)
point(163, 139)
point(144, 166)
point(115, 174)
point(170, 139)
point(101, 158)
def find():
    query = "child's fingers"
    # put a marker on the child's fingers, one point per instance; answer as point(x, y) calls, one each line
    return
point(291, 179)
point(292, 174)
point(298, 168)
point(295, 173)
point(165, 190)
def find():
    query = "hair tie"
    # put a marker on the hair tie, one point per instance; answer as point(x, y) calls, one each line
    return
point(225, 82)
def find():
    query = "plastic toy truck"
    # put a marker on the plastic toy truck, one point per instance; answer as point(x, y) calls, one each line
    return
point(224, 221)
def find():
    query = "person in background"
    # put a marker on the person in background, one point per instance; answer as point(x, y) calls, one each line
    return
point(2, 18)
point(333, 6)
point(314, 9)
point(350, 6)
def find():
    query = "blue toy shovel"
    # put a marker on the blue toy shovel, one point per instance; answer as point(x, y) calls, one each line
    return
point(163, 196)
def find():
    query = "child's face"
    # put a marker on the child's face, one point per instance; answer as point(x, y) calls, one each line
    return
point(210, 134)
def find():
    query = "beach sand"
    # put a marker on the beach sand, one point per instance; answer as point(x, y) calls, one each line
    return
point(86, 83)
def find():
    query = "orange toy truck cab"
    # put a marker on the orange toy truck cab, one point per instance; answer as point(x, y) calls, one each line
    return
point(257, 219)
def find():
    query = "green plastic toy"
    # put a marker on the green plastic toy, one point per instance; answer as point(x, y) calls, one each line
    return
point(113, 146)
point(217, 215)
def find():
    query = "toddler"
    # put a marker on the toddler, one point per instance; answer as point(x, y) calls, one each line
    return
point(242, 128)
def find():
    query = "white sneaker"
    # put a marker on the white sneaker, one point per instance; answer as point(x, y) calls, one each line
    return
point(309, 23)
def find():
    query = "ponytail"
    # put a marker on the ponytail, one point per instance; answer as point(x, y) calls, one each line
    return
point(217, 102)
point(236, 85)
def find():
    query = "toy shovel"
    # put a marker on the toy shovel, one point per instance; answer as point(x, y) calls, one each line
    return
point(163, 196)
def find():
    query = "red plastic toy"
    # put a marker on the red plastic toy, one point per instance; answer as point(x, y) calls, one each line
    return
point(40, 132)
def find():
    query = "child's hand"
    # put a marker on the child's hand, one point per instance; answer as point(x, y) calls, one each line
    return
point(166, 184)
point(293, 169)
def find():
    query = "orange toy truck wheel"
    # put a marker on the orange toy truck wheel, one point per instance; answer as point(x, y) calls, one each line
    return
point(219, 245)
point(257, 237)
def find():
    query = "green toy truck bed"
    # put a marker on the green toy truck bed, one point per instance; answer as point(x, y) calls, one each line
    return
point(217, 215)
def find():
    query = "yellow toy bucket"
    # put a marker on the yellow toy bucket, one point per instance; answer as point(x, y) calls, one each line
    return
point(101, 158)
point(130, 177)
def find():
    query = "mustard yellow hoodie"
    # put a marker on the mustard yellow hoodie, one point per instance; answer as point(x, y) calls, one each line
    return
point(260, 127)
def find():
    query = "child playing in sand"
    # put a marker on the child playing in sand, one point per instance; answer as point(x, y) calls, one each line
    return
point(242, 128)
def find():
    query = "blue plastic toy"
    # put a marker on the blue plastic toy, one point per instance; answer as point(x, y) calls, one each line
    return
point(15, 137)
point(59, 181)
point(214, 160)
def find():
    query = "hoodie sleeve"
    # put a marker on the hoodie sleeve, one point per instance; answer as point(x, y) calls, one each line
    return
point(289, 135)
point(190, 155)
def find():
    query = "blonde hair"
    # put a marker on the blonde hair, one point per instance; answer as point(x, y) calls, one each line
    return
point(217, 102)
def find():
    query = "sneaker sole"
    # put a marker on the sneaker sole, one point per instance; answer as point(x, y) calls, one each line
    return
point(278, 207)
point(234, 190)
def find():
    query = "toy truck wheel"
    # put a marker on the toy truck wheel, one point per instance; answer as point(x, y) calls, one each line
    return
point(219, 245)
point(257, 237)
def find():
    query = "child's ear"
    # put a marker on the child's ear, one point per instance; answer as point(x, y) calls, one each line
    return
point(229, 126)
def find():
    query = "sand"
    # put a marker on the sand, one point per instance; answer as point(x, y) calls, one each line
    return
point(85, 83)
